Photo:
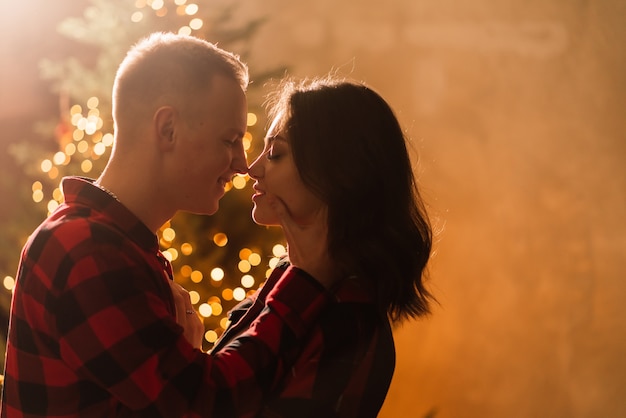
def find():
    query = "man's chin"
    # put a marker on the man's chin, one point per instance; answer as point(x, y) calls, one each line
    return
point(209, 210)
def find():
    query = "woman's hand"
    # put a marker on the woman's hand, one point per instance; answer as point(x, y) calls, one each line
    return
point(186, 316)
point(308, 242)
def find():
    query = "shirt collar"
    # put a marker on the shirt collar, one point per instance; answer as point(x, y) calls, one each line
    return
point(83, 192)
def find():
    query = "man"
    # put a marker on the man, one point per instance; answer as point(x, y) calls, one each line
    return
point(93, 328)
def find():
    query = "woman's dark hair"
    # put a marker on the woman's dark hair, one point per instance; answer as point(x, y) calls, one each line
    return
point(350, 150)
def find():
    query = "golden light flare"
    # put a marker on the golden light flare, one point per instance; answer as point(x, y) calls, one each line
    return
point(186, 248)
point(186, 270)
point(227, 294)
point(220, 239)
point(205, 310)
point(254, 259)
point(196, 276)
point(244, 253)
point(194, 297)
point(8, 283)
point(247, 281)
point(211, 336)
point(168, 234)
point(239, 181)
point(217, 274)
point(279, 250)
point(244, 266)
point(239, 294)
point(86, 166)
point(196, 23)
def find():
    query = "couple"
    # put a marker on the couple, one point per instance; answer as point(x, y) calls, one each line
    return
point(98, 328)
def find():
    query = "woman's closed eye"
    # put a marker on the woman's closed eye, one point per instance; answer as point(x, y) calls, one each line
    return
point(273, 153)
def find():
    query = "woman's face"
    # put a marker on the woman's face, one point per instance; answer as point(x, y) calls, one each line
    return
point(277, 177)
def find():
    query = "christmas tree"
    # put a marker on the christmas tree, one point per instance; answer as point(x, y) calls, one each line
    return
point(221, 258)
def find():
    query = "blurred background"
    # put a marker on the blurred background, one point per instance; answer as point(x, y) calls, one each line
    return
point(516, 112)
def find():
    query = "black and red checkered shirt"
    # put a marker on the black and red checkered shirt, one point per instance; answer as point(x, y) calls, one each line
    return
point(92, 329)
point(345, 366)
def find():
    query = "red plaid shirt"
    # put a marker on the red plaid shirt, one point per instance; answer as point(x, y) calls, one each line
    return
point(92, 328)
point(345, 366)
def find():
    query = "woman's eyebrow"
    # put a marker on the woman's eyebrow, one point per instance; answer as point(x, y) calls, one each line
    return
point(273, 138)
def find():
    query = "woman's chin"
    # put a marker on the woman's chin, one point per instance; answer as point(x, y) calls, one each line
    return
point(261, 219)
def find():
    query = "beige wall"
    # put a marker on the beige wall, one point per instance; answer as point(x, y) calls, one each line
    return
point(517, 110)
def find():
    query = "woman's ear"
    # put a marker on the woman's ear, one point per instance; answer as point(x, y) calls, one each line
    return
point(164, 126)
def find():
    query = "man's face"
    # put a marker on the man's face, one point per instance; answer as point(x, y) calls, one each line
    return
point(211, 150)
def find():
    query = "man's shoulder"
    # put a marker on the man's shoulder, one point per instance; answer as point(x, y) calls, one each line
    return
point(72, 232)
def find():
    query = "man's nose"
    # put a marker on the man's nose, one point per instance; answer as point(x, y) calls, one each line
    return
point(240, 163)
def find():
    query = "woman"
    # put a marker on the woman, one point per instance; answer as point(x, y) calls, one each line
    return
point(336, 154)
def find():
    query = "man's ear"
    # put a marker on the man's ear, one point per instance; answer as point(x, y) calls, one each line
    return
point(165, 119)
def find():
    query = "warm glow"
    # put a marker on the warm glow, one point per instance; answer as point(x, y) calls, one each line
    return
point(239, 294)
point(244, 253)
point(186, 270)
point(76, 110)
point(107, 140)
point(210, 336)
point(252, 119)
point(254, 259)
point(78, 135)
point(70, 149)
point(173, 253)
point(227, 294)
point(273, 262)
point(186, 248)
point(157, 4)
point(53, 173)
point(279, 250)
point(82, 146)
point(247, 281)
point(224, 322)
point(98, 149)
point(59, 158)
point(217, 274)
point(216, 309)
point(86, 166)
point(57, 194)
point(9, 283)
point(244, 266)
point(136, 17)
point(191, 9)
point(52, 205)
point(196, 23)
point(196, 276)
point(194, 296)
point(37, 196)
point(185, 30)
point(205, 310)
point(220, 239)
point(169, 234)
point(46, 165)
point(239, 181)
